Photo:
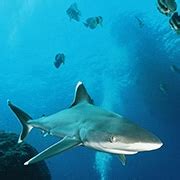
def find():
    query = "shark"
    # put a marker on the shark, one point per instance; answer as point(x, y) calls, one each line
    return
point(85, 124)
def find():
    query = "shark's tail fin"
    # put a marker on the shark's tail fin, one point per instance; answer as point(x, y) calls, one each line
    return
point(23, 117)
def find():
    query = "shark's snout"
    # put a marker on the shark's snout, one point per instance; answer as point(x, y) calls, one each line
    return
point(155, 144)
point(144, 146)
point(141, 140)
point(151, 142)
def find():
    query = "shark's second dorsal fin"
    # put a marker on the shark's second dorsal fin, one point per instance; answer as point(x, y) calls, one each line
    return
point(81, 95)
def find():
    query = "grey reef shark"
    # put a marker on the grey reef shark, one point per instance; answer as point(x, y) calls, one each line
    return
point(84, 124)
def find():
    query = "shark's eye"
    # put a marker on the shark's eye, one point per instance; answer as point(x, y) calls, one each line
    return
point(112, 139)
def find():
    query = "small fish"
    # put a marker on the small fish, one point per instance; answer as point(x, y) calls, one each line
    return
point(166, 7)
point(92, 22)
point(163, 88)
point(172, 5)
point(59, 59)
point(174, 68)
point(174, 22)
point(73, 12)
point(141, 23)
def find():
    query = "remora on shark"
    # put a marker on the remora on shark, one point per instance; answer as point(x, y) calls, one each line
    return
point(84, 124)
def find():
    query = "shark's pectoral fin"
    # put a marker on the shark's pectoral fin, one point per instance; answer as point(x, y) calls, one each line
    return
point(122, 158)
point(61, 146)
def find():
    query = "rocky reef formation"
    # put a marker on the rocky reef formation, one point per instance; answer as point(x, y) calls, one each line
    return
point(13, 156)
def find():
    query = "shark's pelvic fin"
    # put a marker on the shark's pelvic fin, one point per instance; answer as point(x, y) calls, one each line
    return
point(122, 158)
point(23, 117)
point(61, 146)
point(81, 95)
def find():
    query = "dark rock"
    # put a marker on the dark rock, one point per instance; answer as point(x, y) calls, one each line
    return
point(13, 156)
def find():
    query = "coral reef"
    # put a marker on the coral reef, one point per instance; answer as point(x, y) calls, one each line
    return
point(13, 156)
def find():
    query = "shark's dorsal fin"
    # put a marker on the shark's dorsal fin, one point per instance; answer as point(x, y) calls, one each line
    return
point(81, 95)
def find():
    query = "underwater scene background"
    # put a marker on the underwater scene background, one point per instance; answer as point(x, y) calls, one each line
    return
point(125, 68)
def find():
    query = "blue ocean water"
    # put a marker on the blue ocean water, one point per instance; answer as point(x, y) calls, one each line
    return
point(121, 65)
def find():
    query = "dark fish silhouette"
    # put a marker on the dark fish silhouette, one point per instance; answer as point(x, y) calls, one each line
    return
point(166, 7)
point(174, 22)
point(73, 12)
point(92, 22)
point(59, 59)
point(163, 88)
point(141, 23)
point(174, 68)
